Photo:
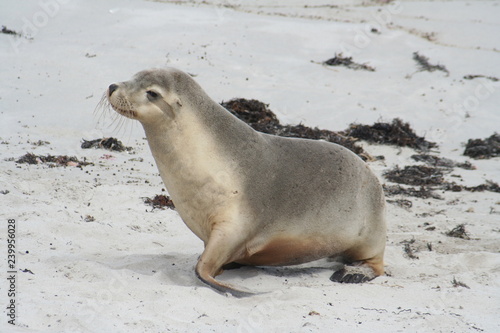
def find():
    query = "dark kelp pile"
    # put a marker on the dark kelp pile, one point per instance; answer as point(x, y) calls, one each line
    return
point(396, 133)
point(160, 201)
point(419, 180)
point(339, 60)
point(442, 162)
point(416, 175)
point(52, 161)
point(422, 192)
point(105, 143)
point(254, 113)
point(259, 117)
point(262, 119)
point(429, 178)
point(488, 186)
point(483, 149)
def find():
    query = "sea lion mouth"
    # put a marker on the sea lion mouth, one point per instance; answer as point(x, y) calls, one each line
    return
point(124, 112)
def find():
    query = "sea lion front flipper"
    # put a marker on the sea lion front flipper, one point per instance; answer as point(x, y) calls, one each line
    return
point(219, 251)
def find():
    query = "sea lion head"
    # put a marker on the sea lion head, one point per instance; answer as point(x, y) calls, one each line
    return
point(150, 96)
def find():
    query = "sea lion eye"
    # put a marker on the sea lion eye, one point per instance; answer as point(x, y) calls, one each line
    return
point(152, 94)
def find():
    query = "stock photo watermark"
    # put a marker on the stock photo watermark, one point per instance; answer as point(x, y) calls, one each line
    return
point(458, 112)
point(33, 24)
point(11, 308)
point(258, 318)
point(363, 36)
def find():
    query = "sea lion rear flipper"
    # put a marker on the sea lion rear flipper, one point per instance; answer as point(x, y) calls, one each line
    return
point(359, 272)
point(344, 276)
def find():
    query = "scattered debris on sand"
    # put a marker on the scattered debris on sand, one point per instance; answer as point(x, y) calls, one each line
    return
point(408, 249)
point(457, 284)
point(458, 232)
point(160, 201)
point(25, 270)
point(89, 218)
point(416, 175)
point(339, 60)
point(105, 143)
point(483, 149)
point(39, 143)
point(488, 186)
point(7, 31)
point(472, 77)
point(395, 133)
point(53, 161)
point(429, 178)
point(423, 192)
point(403, 203)
point(424, 65)
point(442, 162)
point(260, 118)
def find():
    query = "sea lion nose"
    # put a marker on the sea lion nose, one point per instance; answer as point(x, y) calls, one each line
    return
point(112, 88)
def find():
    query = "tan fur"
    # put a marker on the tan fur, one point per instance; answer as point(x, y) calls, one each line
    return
point(253, 198)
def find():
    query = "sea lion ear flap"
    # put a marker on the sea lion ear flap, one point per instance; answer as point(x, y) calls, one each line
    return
point(178, 101)
point(166, 107)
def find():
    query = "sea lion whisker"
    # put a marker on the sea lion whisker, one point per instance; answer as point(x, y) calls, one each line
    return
point(102, 108)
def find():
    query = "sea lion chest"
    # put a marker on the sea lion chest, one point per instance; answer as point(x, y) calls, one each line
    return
point(201, 180)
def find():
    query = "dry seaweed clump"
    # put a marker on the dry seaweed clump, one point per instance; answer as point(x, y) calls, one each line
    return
point(488, 186)
point(259, 117)
point(458, 232)
point(304, 132)
point(105, 143)
point(455, 283)
point(52, 161)
point(472, 77)
point(409, 250)
point(339, 60)
point(429, 178)
point(442, 162)
point(423, 192)
point(254, 113)
point(416, 175)
point(424, 65)
point(160, 201)
point(395, 133)
point(483, 149)
point(8, 31)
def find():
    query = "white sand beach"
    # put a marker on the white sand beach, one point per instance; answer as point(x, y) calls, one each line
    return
point(91, 256)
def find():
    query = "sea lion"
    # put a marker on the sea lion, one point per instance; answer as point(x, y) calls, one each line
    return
point(254, 198)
